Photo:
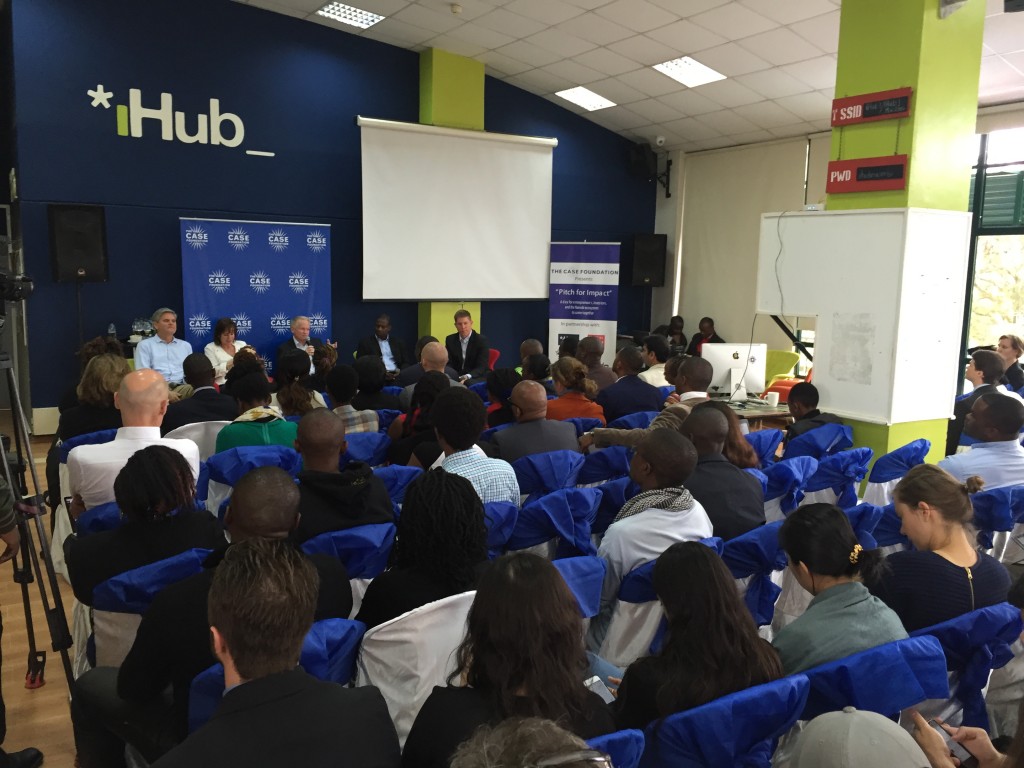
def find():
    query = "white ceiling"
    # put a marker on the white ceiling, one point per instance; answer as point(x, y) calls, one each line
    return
point(779, 57)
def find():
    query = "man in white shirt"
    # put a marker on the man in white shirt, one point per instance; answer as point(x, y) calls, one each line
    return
point(655, 351)
point(995, 420)
point(164, 353)
point(142, 400)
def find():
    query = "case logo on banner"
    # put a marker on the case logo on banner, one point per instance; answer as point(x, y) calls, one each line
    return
point(584, 294)
point(220, 258)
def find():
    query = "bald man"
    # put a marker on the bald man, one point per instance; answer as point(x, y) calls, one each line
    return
point(173, 642)
point(532, 432)
point(332, 498)
point(142, 400)
point(434, 357)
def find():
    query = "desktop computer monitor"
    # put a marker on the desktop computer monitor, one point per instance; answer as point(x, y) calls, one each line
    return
point(738, 368)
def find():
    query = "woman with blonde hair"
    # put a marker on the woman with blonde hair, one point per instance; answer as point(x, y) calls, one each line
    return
point(575, 392)
point(95, 410)
point(944, 576)
point(1010, 348)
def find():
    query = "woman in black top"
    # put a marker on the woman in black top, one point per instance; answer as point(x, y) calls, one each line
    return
point(413, 437)
point(440, 547)
point(1010, 348)
point(523, 656)
point(712, 648)
point(944, 576)
point(156, 495)
point(499, 389)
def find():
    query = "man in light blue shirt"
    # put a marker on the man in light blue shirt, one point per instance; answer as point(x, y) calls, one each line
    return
point(995, 421)
point(164, 353)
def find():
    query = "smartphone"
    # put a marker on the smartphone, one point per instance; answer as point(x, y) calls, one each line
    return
point(967, 760)
point(596, 684)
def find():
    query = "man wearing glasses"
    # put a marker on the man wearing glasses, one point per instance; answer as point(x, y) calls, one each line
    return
point(532, 432)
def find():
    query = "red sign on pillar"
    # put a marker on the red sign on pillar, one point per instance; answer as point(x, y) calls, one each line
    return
point(868, 107)
point(867, 174)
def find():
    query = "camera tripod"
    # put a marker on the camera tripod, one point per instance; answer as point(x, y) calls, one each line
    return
point(29, 569)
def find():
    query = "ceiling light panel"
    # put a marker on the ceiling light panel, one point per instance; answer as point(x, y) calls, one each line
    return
point(689, 72)
point(585, 98)
point(346, 14)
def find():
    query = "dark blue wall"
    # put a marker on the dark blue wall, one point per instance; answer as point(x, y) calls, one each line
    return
point(298, 87)
point(6, 101)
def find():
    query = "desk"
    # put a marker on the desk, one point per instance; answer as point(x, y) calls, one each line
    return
point(758, 414)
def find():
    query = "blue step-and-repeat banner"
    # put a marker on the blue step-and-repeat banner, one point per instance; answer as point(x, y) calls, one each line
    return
point(261, 274)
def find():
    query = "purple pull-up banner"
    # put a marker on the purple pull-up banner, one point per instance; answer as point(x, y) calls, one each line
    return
point(584, 297)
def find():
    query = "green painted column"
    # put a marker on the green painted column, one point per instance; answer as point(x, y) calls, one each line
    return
point(890, 44)
point(451, 95)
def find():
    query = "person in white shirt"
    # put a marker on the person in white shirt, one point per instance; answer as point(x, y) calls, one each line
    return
point(163, 352)
point(142, 400)
point(655, 351)
point(995, 420)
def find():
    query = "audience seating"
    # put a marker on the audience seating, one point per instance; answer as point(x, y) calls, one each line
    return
point(614, 494)
point(227, 468)
point(779, 364)
point(765, 443)
point(492, 358)
point(820, 441)
point(105, 517)
point(585, 577)
point(368, 447)
point(887, 532)
point(92, 438)
point(557, 523)
point(396, 479)
point(786, 480)
point(363, 550)
point(625, 748)
point(479, 389)
point(407, 656)
point(740, 729)
point(667, 390)
point(762, 478)
point(974, 644)
point(864, 519)
point(752, 558)
point(639, 420)
point(392, 390)
point(890, 468)
point(500, 518)
point(1004, 693)
point(835, 481)
point(202, 433)
point(119, 602)
point(487, 434)
point(605, 464)
point(385, 417)
point(584, 424)
point(329, 653)
point(997, 510)
point(545, 472)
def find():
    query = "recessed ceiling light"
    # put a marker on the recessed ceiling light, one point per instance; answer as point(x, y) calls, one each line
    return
point(585, 98)
point(346, 14)
point(689, 72)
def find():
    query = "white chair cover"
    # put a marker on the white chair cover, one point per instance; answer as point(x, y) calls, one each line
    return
point(773, 510)
point(61, 526)
point(215, 496)
point(879, 494)
point(203, 434)
point(631, 631)
point(115, 633)
point(792, 602)
point(407, 656)
point(828, 496)
point(81, 629)
point(1005, 691)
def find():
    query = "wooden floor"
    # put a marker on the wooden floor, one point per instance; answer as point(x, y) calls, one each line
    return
point(35, 718)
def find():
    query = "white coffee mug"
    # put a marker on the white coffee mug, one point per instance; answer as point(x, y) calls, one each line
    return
point(772, 398)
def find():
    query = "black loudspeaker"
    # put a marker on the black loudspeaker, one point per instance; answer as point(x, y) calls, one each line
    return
point(643, 161)
point(78, 243)
point(649, 253)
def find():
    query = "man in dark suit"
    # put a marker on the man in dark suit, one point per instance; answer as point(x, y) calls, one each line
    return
point(172, 646)
point(984, 372)
point(533, 433)
point(300, 339)
point(630, 394)
point(468, 351)
point(205, 404)
point(382, 344)
point(707, 335)
point(732, 498)
point(260, 608)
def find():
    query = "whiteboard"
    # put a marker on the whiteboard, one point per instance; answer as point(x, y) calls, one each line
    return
point(887, 287)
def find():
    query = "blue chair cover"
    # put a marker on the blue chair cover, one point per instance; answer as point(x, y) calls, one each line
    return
point(638, 585)
point(887, 531)
point(864, 519)
point(327, 400)
point(385, 416)
point(639, 420)
point(997, 510)
point(500, 518)
point(479, 389)
point(392, 390)
point(786, 480)
point(820, 441)
point(583, 424)
point(370, 447)
point(133, 591)
point(364, 550)
point(841, 472)
point(545, 472)
point(757, 554)
point(488, 433)
point(885, 679)
point(105, 517)
point(585, 577)
point(293, 418)
point(624, 747)
point(975, 644)
point(605, 464)
point(765, 443)
point(329, 653)
point(229, 466)
point(896, 464)
point(396, 479)
point(566, 513)
point(614, 494)
point(667, 390)
point(736, 731)
point(92, 438)
point(762, 478)
point(203, 481)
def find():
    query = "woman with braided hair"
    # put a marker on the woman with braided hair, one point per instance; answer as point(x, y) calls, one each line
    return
point(439, 550)
point(843, 618)
point(500, 383)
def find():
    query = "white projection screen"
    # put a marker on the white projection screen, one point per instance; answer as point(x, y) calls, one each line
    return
point(454, 215)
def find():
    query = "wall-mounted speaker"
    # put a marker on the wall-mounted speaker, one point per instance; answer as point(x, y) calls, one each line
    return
point(643, 161)
point(649, 252)
point(78, 243)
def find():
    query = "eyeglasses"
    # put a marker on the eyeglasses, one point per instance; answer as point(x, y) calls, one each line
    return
point(581, 756)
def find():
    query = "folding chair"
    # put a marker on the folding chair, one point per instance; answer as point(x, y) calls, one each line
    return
point(890, 469)
point(638, 420)
point(765, 443)
point(835, 481)
point(786, 480)
point(202, 433)
point(605, 464)
point(820, 441)
point(557, 522)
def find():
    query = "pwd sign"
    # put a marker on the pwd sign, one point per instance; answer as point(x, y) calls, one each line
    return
point(867, 174)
